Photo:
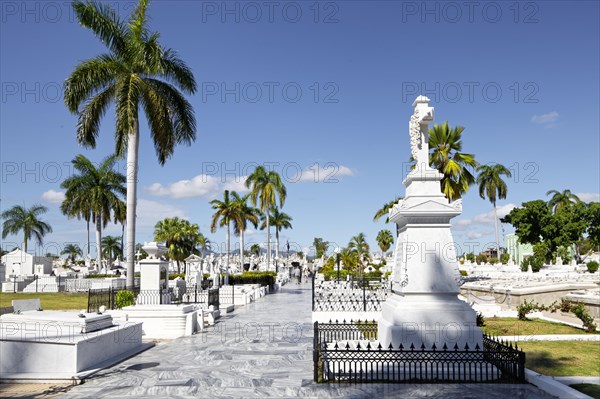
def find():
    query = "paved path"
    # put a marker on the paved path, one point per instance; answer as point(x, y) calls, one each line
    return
point(261, 350)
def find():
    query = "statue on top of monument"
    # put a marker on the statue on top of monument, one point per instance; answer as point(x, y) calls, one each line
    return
point(419, 120)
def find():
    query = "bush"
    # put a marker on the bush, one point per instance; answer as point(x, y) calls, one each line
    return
point(493, 261)
point(332, 274)
point(175, 275)
point(592, 266)
point(527, 307)
point(388, 274)
point(124, 298)
point(262, 278)
point(535, 262)
point(480, 320)
point(470, 257)
point(504, 258)
point(463, 273)
point(101, 275)
point(481, 258)
point(582, 314)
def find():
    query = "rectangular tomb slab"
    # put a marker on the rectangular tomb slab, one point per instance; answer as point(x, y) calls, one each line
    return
point(32, 320)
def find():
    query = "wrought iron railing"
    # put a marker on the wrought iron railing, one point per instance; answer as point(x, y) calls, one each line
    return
point(346, 352)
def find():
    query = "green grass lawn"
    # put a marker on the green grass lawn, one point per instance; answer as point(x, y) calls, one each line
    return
point(592, 390)
point(508, 326)
point(562, 358)
point(49, 300)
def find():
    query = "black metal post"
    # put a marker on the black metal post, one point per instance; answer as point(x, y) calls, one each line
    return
point(15, 283)
point(89, 297)
point(313, 291)
point(364, 296)
point(36, 283)
point(315, 351)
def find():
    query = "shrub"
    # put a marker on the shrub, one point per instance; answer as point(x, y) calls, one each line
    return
point(535, 262)
point(493, 261)
point(592, 266)
point(582, 314)
point(504, 258)
point(262, 278)
point(463, 273)
point(481, 258)
point(124, 298)
point(175, 275)
point(470, 257)
point(101, 275)
point(527, 307)
point(388, 274)
point(480, 320)
point(564, 254)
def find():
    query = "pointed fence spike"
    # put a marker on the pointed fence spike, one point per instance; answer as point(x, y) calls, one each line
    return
point(412, 346)
point(455, 347)
point(477, 347)
point(422, 346)
point(336, 346)
point(401, 347)
point(347, 345)
point(379, 346)
point(445, 347)
point(434, 347)
point(466, 346)
point(368, 346)
point(358, 346)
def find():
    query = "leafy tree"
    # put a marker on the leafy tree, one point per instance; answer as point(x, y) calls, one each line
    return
point(245, 214)
point(265, 187)
point(493, 187)
point(27, 220)
point(470, 257)
point(255, 249)
point(129, 76)
point(349, 258)
point(359, 244)
point(203, 244)
point(320, 246)
point(96, 190)
point(562, 200)
point(504, 258)
point(593, 224)
point(385, 239)
point(279, 220)
point(73, 251)
point(446, 156)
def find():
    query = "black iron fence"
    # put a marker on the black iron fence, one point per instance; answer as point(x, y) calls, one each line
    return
point(345, 352)
point(354, 295)
point(105, 297)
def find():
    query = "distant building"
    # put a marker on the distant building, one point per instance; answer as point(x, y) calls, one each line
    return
point(517, 251)
point(19, 263)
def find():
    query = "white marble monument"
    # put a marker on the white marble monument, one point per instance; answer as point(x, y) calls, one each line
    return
point(424, 307)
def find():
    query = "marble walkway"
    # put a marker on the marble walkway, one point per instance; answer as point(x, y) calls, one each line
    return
point(261, 350)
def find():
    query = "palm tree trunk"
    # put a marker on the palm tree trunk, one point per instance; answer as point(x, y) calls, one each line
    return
point(276, 243)
point(227, 255)
point(99, 241)
point(496, 230)
point(25, 244)
point(88, 239)
point(133, 145)
point(242, 251)
point(268, 240)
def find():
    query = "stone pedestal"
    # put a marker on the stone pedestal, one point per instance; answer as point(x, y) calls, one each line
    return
point(424, 307)
point(154, 277)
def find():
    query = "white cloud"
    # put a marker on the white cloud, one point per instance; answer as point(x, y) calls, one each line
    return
point(199, 186)
point(589, 197)
point(326, 173)
point(547, 120)
point(474, 235)
point(486, 218)
point(150, 212)
point(53, 197)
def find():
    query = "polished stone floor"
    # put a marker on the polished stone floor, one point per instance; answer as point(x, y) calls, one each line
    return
point(261, 350)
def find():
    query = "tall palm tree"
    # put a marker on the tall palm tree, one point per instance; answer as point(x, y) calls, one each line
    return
point(111, 248)
point(28, 221)
point(359, 244)
point(136, 72)
point(445, 144)
point(279, 220)
point(385, 239)
point(265, 187)
point(349, 258)
point(98, 188)
point(203, 243)
point(562, 200)
point(320, 246)
point(225, 213)
point(73, 251)
point(491, 185)
point(246, 214)
point(384, 210)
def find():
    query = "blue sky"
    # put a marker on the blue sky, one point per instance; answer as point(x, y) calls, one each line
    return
point(322, 92)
